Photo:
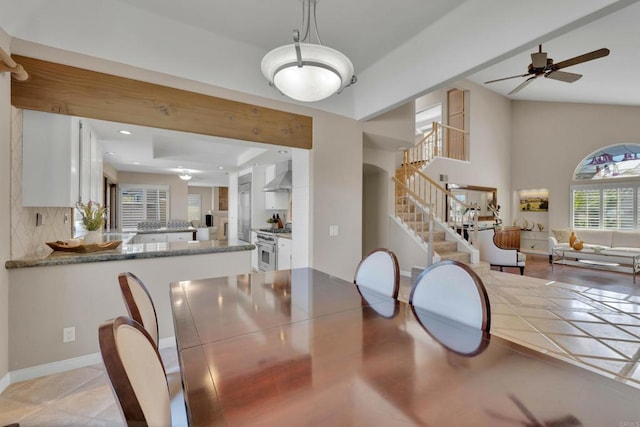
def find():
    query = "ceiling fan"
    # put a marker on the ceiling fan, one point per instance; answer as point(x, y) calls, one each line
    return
point(541, 65)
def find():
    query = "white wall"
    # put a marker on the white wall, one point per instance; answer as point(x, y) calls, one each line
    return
point(489, 146)
point(336, 194)
point(5, 212)
point(550, 139)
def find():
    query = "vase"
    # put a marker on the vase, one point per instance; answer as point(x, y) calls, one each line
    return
point(92, 237)
point(578, 245)
point(572, 238)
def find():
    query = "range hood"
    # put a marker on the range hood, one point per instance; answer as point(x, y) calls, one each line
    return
point(282, 180)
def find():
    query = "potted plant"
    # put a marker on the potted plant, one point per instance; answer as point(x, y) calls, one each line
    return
point(92, 215)
point(272, 221)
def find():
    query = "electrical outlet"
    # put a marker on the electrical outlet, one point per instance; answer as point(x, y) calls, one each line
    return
point(69, 334)
point(333, 230)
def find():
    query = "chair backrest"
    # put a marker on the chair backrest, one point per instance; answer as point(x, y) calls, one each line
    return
point(136, 372)
point(451, 289)
point(379, 271)
point(139, 303)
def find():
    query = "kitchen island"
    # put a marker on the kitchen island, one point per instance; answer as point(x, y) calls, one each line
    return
point(51, 291)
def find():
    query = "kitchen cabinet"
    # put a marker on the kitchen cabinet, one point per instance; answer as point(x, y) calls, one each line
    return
point(61, 161)
point(151, 238)
point(180, 237)
point(284, 253)
point(274, 200)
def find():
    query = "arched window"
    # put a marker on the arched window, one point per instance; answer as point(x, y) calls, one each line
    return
point(616, 161)
point(606, 188)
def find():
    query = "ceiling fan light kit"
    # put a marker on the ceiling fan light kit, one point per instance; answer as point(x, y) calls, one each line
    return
point(541, 65)
point(306, 71)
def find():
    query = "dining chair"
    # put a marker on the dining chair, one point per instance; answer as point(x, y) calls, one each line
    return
point(139, 303)
point(379, 271)
point(136, 372)
point(453, 290)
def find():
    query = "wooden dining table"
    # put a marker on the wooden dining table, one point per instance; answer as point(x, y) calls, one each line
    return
point(301, 347)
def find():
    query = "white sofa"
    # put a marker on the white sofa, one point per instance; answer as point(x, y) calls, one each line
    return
point(616, 247)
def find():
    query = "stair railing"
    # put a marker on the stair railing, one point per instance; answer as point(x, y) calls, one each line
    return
point(441, 141)
point(431, 198)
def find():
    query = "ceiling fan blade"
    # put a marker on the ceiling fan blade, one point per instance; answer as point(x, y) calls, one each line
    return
point(581, 58)
point(563, 76)
point(507, 78)
point(522, 85)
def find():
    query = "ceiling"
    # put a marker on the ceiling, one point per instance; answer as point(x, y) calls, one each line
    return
point(400, 50)
point(208, 159)
point(608, 80)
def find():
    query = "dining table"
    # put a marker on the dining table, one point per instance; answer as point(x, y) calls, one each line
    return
point(301, 347)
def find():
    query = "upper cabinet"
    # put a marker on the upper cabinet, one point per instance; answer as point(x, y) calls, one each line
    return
point(61, 161)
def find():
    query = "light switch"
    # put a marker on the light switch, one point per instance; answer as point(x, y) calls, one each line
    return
point(333, 230)
point(39, 219)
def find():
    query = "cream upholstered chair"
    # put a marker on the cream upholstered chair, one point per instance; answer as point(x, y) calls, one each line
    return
point(452, 290)
point(139, 303)
point(136, 372)
point(497, 256)
point(379, 271)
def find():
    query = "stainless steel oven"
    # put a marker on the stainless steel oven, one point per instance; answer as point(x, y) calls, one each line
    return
point(267, 251)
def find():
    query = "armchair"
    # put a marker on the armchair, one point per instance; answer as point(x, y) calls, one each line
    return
point(497, 256)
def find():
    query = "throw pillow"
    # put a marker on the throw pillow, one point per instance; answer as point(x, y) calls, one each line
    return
point(562, 234)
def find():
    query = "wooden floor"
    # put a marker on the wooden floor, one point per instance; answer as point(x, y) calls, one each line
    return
point(539, 266)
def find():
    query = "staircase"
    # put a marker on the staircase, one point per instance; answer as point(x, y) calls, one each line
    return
point(421, 203)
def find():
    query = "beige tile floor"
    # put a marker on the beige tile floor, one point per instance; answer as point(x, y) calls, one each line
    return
point(596, 329)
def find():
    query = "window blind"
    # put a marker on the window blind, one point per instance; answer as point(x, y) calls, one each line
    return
point(194, 207)
point(143, 203)
point(605, 206)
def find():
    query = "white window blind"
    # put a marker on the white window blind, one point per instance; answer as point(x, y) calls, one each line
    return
point(586, 208)
point(194, 207)
point(617, 208)
point(143, 203)
point(605, 206)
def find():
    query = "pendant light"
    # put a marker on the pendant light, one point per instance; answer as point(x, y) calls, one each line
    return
point(308, 71)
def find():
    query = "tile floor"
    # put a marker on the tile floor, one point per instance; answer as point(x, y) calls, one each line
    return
point(593, 328)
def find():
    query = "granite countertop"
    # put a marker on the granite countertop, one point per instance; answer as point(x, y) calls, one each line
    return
point(129, 251)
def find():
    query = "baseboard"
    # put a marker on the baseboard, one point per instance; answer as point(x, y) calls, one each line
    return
point(64, 365)
point(405, 273)
point(5, 382)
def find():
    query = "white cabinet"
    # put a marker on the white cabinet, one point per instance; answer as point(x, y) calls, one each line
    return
point(50, 160)
point(61, 161)
point(274, 200)
point(151, 238)
point(284, 254)
point(179, 237)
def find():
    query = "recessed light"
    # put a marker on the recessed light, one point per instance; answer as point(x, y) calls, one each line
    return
point(111, 153)
point(221, 167)
point(136, 163)
point(125, 132)
point(282, 151)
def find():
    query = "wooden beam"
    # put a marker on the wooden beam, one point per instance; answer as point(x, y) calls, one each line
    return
point(62, 89)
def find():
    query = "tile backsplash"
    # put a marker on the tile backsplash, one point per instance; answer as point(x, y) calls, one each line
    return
point(26, 237)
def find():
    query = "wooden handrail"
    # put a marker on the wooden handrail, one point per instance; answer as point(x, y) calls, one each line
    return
point(9, 65)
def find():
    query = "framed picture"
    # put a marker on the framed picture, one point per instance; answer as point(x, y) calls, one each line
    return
point(534, 200)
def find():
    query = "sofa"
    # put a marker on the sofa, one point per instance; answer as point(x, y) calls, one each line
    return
point(600, 246)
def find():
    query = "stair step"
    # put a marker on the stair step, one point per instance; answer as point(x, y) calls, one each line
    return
point(444, 246)
point(456, 256)
point(437, 235)
point(411, 217)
